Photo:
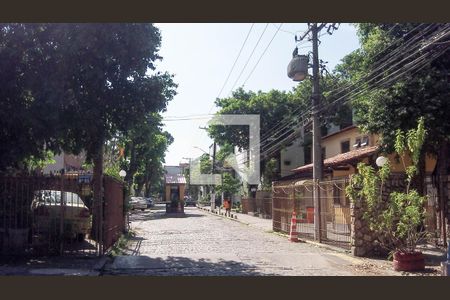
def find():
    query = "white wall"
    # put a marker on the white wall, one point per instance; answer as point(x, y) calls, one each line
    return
point(295, 154)
point(57, 166)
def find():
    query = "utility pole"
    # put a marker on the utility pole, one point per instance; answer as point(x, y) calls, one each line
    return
point(317, 148)
point(213, 168)
point(297, 71)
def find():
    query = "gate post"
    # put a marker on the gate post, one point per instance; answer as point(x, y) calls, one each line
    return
point(317, 210)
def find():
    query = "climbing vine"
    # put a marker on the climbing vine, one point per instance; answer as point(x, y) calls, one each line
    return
point(395, 221)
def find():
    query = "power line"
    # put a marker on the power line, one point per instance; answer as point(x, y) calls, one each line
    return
point(412, 66)
point(283, 30)
point(264, 52)
point(235, 61)
point(248, 60)
point(388, 62)
point(401, 51)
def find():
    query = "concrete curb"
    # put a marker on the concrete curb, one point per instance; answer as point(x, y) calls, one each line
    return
point(233, 218)
point(101, 263)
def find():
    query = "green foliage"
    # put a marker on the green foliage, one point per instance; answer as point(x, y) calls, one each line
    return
point(113, 171)
point(383, 109)
point(72, 87)
point(230, 185)
point(205, 164)
point(269, 174)
point(224, 151)
point(396, 220)
point(272, 107)
point(120, 246)
point(38, 163)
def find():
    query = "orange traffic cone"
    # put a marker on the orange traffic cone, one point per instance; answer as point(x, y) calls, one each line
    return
point(293, 235)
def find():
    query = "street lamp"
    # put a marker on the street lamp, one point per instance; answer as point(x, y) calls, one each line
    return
point(122, 173)
point(380, 161)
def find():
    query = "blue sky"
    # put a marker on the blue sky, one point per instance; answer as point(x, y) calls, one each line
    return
point(201, 56)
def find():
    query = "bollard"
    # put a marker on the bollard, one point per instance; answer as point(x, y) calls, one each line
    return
point(293, 235)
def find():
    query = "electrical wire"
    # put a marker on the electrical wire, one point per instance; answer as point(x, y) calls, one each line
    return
point(248, 60)
point(235, 61)
point(261, 56)
point(384, 78)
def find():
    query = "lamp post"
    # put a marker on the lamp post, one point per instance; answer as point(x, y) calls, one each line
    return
point(380, 161)
point(298, 71)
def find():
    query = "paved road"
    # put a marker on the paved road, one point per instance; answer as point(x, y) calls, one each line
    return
point(204, 244)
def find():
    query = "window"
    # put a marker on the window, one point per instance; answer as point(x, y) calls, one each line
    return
point(308, 154)
point(364, 141)
point(357, 143)
point(345, 146)
point(336, 196)
point(361, 141)
point(287, 162)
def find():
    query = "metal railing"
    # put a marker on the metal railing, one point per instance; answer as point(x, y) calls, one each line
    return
point(298, 196)
point(55, 215)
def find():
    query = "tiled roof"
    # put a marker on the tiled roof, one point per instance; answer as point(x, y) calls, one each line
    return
point(342, 158)
point(175, 179)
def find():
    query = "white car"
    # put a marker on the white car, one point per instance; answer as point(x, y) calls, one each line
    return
point(46, 208)
point(138, 203)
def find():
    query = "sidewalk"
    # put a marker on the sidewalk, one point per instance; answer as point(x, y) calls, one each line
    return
point(376, 266)
point(260, 223)
point(52, 266)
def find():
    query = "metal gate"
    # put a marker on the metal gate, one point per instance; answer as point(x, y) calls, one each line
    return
point(53, 215)
point(334, 210)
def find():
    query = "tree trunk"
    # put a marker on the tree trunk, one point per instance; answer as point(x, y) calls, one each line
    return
point(97, 219)
point(442, 166)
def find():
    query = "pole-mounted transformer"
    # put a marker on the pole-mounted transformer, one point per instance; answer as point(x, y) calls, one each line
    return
point(297, 69)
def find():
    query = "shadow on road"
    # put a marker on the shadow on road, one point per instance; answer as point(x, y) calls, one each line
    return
point(135, 243)
point(179, 266)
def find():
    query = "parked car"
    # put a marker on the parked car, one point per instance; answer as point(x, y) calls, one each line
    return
point(149, 202)
point(138, 203)
point(46, 209)
point(188, 201)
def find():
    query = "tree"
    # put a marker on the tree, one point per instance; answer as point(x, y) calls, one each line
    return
point(273, 107)
point(77, 86)
point(229, 186)
point(384, 108)
point(29, 112)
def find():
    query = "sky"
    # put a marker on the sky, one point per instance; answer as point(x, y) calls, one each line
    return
point(201, 57)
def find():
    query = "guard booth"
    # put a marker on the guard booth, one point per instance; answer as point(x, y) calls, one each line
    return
point(174, 187)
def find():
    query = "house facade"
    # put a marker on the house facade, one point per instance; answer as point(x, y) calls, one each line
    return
point(66, 162)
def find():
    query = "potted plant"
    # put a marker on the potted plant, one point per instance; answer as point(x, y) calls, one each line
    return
point(397, 221)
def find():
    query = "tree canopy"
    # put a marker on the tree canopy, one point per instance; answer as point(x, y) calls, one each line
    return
point(72, 87)
point(385, 108)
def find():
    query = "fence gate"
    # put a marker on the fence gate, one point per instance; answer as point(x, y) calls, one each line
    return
point(55, 215)
point(113, 212)
point(298, 196)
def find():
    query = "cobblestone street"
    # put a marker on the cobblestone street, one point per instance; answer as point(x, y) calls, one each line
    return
point(205, 244)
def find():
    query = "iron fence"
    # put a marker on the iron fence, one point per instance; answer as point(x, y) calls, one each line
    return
point(261, 204)
point(114, 212)
point(55, 215)
point(334, 210)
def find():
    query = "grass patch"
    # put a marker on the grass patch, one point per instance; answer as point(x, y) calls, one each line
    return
point(122, 243)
